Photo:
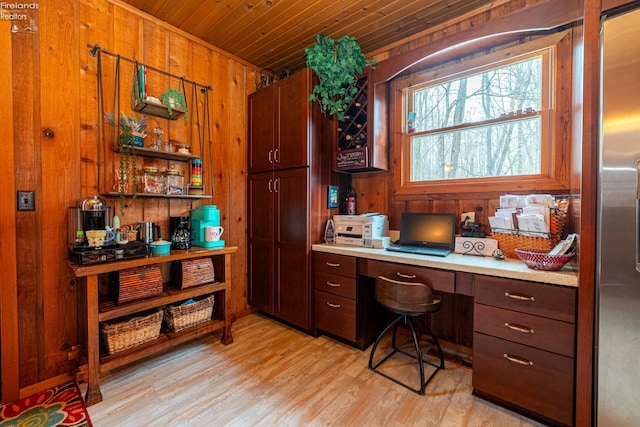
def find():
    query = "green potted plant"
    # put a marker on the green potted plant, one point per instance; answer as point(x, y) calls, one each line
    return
point(133, 130)
point(173, 98)
point(337, 64)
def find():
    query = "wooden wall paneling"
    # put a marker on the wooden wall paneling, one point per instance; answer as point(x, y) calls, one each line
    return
point(180, 62)
point(240, 86)
point(218, 172)
point(155, 51)
point(58, 136)
point(419, 205)
point(27, 165)
point(372, 194)
point(95, 19)
point(9, 354)
point(127, 34)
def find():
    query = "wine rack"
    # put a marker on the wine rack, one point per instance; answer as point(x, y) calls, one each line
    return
point(352, 132)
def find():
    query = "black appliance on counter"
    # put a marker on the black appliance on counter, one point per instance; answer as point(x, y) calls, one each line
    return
point(180, 232)
point(93, 213)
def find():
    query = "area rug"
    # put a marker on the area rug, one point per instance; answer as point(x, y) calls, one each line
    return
point(58, 406)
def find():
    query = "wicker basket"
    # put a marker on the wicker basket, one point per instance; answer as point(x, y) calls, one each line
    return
point(181, 317)
point(509, 240)
point(539, 259)
point(133, 332)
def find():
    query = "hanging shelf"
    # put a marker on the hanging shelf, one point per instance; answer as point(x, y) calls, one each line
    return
point(150, 106)
point(158, 110)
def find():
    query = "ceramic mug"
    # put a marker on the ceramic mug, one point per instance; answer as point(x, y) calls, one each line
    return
point(97, 238)
point(213, 234)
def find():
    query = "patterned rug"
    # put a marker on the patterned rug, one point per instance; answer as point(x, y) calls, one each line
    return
point(58, 406)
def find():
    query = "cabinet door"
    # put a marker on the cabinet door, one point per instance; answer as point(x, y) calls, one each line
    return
point(261, 130)
point(291, 247)
point(261, 235)
point(292, 127)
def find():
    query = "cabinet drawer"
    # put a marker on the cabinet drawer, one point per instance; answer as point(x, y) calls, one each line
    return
point(335, 284)
point(436, 279)
point(535, 331)
point(335, 264)
point(533, 379)
point(336, 315)
point(556, 302)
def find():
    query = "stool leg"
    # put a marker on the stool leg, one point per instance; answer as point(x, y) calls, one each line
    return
point(395, 331)
point(416, 342)
point(429, 332)
point(375, 345)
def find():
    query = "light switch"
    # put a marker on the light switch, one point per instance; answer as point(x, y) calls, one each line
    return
point(26, 201)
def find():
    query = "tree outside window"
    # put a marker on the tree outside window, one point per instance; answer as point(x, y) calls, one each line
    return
point(490, 123)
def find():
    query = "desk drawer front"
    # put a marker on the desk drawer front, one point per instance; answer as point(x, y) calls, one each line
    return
point(541, 332)
point(335, 284)
point(534, 379)
point(437, 279)
point(336, 315)
point(334, 264)
point(556, 302)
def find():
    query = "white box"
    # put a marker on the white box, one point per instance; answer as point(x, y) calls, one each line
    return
point(476, 246)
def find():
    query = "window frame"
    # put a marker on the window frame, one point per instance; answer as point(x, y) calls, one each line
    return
point(554, 166)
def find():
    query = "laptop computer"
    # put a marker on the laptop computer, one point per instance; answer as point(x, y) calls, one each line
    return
point(426, 234)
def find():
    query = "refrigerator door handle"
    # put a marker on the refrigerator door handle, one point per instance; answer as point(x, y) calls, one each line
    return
point(637, 258)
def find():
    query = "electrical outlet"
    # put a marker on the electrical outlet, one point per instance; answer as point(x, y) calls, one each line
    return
point(26, 201)
point(470, 215)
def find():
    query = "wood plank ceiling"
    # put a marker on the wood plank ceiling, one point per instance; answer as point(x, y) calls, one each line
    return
point(274, 33)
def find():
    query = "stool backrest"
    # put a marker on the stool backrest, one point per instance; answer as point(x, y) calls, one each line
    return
point(406, 296)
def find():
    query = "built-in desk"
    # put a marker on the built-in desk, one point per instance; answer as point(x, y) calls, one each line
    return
point(508, 268)
point(515, 325)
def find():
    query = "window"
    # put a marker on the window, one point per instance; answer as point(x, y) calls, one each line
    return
point(485, 125)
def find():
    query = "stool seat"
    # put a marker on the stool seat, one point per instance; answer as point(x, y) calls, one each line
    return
point(410, 301)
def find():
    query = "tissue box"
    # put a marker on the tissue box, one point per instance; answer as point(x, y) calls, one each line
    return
point(483, 246)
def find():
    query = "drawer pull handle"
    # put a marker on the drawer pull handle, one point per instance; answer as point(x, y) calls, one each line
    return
point(518, 360)
point(519, 328)
point(332, 264)
point(330, 304)
point(335, 285)
point(406, 276)
point(519, 297)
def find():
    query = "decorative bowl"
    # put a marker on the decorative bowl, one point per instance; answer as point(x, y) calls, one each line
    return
point(539, 259)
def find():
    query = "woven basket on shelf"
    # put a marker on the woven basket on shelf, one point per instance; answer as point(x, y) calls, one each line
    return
point(509, 240)
point(133, 332)
point(180, 317)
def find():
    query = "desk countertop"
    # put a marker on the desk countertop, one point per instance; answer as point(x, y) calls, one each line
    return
point(509, 268)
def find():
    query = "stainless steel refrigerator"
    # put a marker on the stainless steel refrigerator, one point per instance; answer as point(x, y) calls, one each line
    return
point(617, 371)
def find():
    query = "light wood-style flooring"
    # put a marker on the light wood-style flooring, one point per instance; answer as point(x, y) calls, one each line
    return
point(273, 375)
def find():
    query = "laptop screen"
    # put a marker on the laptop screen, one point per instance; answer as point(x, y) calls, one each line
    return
point(428, 229)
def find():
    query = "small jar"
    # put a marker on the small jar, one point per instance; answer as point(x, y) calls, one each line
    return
point(152, 181)
point(173, 182)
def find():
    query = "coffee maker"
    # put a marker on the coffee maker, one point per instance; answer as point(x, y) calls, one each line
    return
point(201, 218)
point(93, 214)
point(180, 232)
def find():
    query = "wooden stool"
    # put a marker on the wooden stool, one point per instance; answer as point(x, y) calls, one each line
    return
point(409, 301)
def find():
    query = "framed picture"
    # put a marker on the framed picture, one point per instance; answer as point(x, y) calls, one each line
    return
point(332, 196)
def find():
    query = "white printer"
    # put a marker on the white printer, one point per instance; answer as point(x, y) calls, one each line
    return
point(369, 230)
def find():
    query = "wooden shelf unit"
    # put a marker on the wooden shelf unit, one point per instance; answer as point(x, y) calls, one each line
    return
point(93, 310)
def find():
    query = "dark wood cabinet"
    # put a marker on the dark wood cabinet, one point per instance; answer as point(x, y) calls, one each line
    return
point(287, 197)
point(345, 305)
point(523, 346)
point(278, 117)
